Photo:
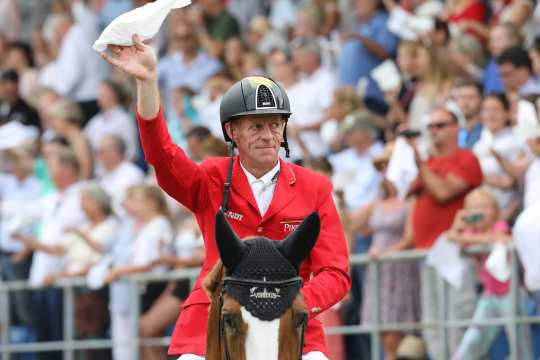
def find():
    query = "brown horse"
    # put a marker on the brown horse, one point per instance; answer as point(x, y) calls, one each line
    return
point(256, 308)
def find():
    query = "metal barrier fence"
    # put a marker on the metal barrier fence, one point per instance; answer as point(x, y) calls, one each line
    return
point(69, 344)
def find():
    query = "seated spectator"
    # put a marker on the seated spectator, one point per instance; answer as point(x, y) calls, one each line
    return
point(399, 285)
point(195, 138)
point(354, 172)
point(214, 25)
point(468, 96)
point(466, 57)
point(253, 64)
point(233, 57)
point(311, 95)
point(188, 66)
point(113, 118)
point(84, 244)
point(117, 172)
point(77, 70)
point(212, 146)
point(263, 38)
point(500, 137)
point(433, 84)
point(66, 120)
point(20, 59)
point(142, 240)
point(12, 106)
point(526, 167)
point(515, 68)
point(367, 45)
point(501, 37)
point(495, 301)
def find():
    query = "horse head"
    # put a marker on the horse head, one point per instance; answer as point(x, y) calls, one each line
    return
point(256, 308)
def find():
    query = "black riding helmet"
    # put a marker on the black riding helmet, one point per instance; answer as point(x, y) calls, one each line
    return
point(255, 95)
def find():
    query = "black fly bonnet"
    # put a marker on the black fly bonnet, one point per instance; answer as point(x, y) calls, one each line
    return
point(262, 274)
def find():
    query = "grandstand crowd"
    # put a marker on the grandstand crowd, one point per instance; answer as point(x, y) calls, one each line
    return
point(448, 91)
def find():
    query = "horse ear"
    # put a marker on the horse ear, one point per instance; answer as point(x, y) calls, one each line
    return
point(297, 246)
point(230, 247)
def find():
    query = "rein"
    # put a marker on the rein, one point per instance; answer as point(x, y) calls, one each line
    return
point(253, 282)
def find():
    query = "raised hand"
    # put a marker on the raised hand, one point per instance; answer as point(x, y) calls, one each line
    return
point(138, 60)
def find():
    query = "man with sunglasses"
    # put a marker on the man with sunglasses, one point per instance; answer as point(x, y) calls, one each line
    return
point(444, 179)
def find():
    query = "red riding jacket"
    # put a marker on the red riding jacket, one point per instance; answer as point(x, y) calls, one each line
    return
point(298, 192)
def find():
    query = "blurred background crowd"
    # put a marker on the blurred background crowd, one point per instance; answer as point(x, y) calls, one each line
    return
point(454, 84)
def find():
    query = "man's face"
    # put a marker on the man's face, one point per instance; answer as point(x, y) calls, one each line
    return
point(512, 77)
point(258, 138)
point(185, 39)
point(469, 101)
point(107, 154)
point(442, 128)
point(359, 139)
point(499, 40)
point(364, 8)
point(279, 66)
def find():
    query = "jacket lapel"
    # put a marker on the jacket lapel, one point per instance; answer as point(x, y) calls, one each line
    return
point(241, 186)
point(283, 193)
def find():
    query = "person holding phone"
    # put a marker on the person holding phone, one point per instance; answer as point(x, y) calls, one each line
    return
point(445, 178)
point(478, 223)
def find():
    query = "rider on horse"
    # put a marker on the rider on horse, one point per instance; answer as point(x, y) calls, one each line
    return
point(264, 195)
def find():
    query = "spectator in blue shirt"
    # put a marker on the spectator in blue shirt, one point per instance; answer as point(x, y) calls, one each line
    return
point(468, 95)
point(502, 36)
point(368, 45)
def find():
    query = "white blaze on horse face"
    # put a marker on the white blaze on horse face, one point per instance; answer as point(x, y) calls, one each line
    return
point(262, 340)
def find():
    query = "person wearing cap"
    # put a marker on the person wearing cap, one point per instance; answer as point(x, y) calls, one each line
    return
point(266, 196)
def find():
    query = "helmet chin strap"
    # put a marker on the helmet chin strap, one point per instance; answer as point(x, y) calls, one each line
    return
point(285, 144)
point(227, 185)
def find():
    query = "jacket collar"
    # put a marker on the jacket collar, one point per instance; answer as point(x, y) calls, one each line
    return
point(286, 180)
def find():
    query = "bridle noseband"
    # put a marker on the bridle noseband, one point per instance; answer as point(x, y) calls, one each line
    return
point(251, 283)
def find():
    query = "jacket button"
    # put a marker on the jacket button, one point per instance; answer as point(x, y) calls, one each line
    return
point(260, 229)
point(316, 310)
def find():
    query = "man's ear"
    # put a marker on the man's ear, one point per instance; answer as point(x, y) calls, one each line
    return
point(229, 129)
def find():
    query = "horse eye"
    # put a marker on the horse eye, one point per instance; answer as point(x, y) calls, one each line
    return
point(300, 319)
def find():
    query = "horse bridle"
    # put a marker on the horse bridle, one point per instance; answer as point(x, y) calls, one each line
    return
point(253, 282)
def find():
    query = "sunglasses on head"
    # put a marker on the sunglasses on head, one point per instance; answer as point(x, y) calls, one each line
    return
point(439, 125)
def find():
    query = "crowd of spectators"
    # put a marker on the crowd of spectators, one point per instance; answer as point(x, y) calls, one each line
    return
point(448, 83)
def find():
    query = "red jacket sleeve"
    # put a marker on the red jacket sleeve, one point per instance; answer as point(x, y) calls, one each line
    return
point(180, 177)
point(329, 261)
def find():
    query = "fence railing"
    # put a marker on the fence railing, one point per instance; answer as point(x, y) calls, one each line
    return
point(69, 344)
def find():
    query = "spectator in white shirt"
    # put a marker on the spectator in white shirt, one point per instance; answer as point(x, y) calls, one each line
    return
point(143, 239)
point(77, 70)
point(18, 185)
point(66, 120)
point(56, 212)
point(118, 173)
point(354, 172)
point(112, 118)
point(499, 136)
point(310, 96)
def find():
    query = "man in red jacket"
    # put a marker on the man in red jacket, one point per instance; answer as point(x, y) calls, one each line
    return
point(267, 197)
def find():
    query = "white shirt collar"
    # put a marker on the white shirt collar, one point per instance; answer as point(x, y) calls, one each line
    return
point(267, 178)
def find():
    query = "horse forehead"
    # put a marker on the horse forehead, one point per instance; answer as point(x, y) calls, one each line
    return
point(262, 340)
